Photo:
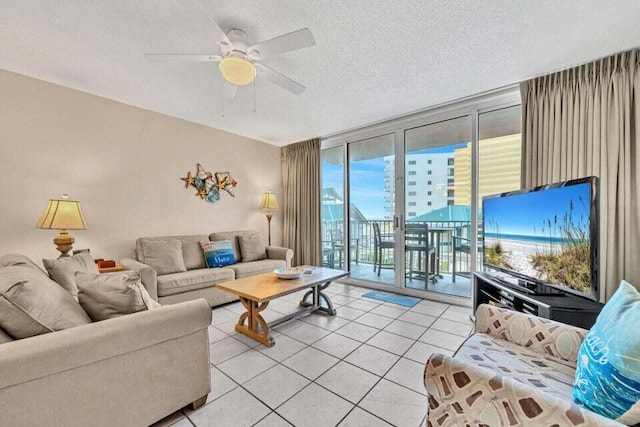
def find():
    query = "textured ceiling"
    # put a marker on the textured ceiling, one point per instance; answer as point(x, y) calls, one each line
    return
point(372, 60)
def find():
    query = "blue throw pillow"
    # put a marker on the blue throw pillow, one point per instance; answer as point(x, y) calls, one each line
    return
point(608, 370)
point(218, 254)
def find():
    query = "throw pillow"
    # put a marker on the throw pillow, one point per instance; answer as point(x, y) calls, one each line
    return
point(32, 304)
point(608, 370)
point(104, 296)
point(62, 270)
point(164, 256)
point(252, 247)
point(218, 254)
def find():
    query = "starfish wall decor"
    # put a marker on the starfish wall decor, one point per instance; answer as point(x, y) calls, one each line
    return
point(208, 185)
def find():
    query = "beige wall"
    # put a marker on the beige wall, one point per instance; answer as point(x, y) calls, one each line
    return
point(124, 164)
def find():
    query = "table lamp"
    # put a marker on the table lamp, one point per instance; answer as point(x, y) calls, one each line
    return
point(269, 203)
point(63, 214)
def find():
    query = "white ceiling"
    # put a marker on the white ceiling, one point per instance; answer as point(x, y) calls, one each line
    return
point(372, 60)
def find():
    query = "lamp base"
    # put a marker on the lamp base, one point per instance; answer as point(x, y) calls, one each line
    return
point(269, 215)
point(64, 243)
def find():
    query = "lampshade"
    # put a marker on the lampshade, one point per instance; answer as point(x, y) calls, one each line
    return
point(62, 214)
point(237, 70)
point(269, 201)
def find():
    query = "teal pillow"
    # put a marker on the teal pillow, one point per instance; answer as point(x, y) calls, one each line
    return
point(218, 254)
point(608, 369)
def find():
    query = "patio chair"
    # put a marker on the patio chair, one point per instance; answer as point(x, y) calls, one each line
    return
point(462, 245)
point(335, 249)
point(379, 245)
point(417, 242)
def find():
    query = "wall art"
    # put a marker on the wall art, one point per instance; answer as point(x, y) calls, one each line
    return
point(209, 185)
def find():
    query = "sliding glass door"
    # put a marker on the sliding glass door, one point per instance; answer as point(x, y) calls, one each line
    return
point(437, 203)
point(413, 191)
point(372, 204)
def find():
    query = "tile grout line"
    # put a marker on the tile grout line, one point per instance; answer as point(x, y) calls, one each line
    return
point(330, 331)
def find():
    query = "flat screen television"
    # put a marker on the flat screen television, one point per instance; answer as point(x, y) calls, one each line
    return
point(545, 236)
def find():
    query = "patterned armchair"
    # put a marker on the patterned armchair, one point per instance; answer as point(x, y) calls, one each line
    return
point(515, 370)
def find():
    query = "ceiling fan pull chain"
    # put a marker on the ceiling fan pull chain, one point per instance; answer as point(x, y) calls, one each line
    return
point(254, 95)
point(223, 108)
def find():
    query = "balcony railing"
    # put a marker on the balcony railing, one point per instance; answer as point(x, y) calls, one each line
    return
point(362, 241)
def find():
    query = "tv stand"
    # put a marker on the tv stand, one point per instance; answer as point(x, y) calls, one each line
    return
point(534, 298)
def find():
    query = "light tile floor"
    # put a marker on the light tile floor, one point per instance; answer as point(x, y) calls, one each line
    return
point(361, 368)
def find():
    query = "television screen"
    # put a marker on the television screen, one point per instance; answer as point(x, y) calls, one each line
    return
point(548, 233)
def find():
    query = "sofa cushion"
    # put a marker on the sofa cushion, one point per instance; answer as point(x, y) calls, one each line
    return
point(5, 337)
point(164, 256)
point(232, 236)
point(105, 296)
point(18, 259)
point(63, 270)
point(544, 372)
point(252, 268)
point(32, 304)
point(171, 284)
point(218, 254)
point(608, 371)
point(252, 247)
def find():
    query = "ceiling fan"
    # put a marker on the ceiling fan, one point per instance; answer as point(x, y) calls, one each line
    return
point(239, 63)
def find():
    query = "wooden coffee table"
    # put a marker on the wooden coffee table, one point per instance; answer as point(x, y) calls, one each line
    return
point(255, 292)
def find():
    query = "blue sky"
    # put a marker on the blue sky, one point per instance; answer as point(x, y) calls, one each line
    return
point(519, 214)
point(367, 180)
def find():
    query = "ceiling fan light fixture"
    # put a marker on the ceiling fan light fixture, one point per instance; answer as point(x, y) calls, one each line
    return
point(238, 71)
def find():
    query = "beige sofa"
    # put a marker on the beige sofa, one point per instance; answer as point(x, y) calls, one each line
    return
point(198, 281)
point(131, 370)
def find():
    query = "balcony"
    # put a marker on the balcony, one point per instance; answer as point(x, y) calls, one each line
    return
point(443, 277)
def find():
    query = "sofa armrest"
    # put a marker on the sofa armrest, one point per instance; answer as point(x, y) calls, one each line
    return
point(148, 276)
point(277, 252)
point(465, 394)
point(542, 335)
point(129, 370)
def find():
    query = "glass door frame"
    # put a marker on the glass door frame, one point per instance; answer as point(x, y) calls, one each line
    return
point(472, 107)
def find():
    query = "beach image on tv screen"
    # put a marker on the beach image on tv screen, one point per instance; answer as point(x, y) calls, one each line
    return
point(541, 234)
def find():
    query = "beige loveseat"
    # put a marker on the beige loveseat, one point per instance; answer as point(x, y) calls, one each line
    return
point(198, 281)
point(131, 370)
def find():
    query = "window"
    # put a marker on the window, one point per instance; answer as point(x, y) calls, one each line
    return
point(449, 193)
point(428, 193)
point(450, 182)
point(412, 193)
point(411, 183)
point(428, 203)
point(411, 173)
point(411, 214)
point(428, 182)
point(449, 202)
point(428, 172)
point(412, 203)
point(428, 162)
point(450, 161)
point(450, 172)
point(412, 162)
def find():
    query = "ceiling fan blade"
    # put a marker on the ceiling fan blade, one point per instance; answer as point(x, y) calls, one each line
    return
point(229, 91)
point(194, 8)
point(279, 79)
point(165, 57)
point(284, 43)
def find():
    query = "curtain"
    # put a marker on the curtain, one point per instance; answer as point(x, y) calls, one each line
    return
point(584, 121)
point(302, 198)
